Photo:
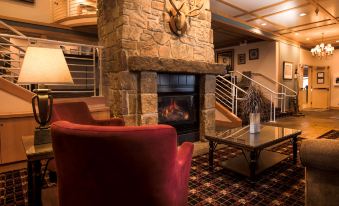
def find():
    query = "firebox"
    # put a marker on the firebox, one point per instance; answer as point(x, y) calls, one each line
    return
point(178, 104)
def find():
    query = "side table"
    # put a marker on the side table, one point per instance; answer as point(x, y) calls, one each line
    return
point(35, 153)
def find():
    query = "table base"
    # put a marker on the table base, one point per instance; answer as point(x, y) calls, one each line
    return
point(241, 165)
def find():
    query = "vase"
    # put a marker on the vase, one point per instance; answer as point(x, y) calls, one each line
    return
point(254, 122)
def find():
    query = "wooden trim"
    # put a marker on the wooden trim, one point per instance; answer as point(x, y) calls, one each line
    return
point(235, 121)
point(16, 90)
point(262, 8)
point(243, 10)
point(76, 17)
point(282, 11)
point(301, 25)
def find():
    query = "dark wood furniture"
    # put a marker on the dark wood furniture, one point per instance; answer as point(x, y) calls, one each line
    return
point(255, 158)
point(35, 153)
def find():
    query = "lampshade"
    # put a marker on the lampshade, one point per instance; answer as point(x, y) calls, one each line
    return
point(44, 66)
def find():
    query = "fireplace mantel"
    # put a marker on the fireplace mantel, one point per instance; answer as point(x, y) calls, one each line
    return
point(156, 64)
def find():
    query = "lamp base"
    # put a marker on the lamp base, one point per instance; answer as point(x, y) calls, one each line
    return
point(42, 136)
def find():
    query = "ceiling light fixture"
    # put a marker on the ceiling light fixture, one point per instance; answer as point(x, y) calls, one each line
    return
point(296, 34)
point(263, 24)
point(307, 38)
point(302, 14)
point(322, 50)
point(337, 41)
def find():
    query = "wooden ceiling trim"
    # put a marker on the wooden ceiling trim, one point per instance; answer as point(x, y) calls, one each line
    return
point(308, 28)
point(291, 29)
point(243, 10)
point(317, 5)
point(282, 11)
point(262, 8)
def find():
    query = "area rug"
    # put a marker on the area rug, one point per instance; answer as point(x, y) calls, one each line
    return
point(283, 184)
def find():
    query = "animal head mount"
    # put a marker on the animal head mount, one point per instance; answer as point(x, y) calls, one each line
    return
point(179, 14)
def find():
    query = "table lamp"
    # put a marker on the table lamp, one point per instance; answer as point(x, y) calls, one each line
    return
point(44, 66)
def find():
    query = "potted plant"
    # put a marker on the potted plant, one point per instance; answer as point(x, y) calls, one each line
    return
point(253, 104)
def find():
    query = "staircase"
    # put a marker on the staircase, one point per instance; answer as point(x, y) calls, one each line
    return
point(84, 62)
point(230, 92)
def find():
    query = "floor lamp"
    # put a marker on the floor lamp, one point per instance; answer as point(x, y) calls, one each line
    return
point(44, 66)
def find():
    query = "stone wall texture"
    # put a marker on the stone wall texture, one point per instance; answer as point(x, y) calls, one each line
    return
point(140, 28)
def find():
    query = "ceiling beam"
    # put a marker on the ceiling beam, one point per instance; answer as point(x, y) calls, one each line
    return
point(317, 5)
point(282, 11)
point(243, 10)
point(262, 8)
point(331, 24)
point(302, 25)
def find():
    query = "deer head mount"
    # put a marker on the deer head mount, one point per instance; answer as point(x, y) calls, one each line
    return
point(180, 11)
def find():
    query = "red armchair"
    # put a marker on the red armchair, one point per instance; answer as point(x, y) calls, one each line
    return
point(131, 165)
point(78, 112)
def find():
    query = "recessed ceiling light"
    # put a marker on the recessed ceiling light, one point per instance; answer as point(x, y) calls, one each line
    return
point(302, 14)
point(307, 38)
point(296, 34)
point(263, 24)
point(337, 41)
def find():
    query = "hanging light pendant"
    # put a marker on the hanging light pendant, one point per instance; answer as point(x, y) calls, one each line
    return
point(322, 50)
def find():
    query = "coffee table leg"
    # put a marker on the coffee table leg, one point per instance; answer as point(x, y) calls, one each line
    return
point(295, 149)
point(211, 155)
point(253, 163)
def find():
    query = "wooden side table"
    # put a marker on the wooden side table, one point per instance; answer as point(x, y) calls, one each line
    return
point(35, 153)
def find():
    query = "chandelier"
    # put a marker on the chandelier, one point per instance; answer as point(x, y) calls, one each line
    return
point(322, 50)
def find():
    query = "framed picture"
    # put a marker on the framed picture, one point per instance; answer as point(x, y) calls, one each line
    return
point(253, 54)
point(226, 57)
point(242, 58)
point(288, 71)
point(320, 77)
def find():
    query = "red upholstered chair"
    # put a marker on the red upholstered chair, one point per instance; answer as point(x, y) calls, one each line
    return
point(130, 166)
point(78, 112)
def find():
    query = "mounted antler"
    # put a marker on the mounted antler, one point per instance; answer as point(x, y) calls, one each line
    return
point(178, 22)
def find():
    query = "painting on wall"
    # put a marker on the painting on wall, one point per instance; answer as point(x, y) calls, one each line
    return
point(242, 58)
point(287, 71)
point(321, 78)
point(226, 57)
point(253, 54)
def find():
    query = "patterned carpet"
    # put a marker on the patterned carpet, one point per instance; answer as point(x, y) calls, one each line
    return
point(283, 184)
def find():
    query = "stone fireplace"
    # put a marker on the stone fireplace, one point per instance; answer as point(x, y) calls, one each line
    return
point(139, 48)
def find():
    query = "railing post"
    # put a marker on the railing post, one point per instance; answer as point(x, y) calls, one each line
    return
point(100, 71)
point(271, 110)
point(236, 101)
point(233, 94)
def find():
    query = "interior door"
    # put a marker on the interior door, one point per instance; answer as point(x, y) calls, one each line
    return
point(320, 88)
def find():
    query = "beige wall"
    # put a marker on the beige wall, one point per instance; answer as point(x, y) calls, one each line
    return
point(40, 11)
point(333, 63)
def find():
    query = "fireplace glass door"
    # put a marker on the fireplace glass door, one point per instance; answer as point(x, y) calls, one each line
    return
point(177, 109)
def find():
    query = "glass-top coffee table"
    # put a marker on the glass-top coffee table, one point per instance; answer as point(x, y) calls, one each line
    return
point(255, 158)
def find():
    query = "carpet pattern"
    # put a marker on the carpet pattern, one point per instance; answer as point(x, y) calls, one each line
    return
point(283, 184)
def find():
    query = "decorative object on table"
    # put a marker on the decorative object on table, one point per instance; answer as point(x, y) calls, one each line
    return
point(287, 70)
point(179, 13)
point(253, 54)
point(321, 50)
point(320, 77)
point(253, 104)
point(242, 58)
point(226, 57)
point(44, 66)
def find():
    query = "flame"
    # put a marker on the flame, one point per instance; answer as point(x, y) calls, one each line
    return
point(174, 112)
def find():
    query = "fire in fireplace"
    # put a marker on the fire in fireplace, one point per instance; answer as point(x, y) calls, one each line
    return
point(178, 104)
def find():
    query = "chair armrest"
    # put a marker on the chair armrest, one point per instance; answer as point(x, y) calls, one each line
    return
point(320, 153)
point(110, 122)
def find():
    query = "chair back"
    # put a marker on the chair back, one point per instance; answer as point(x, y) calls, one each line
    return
point(76, 112)
point(109, 165)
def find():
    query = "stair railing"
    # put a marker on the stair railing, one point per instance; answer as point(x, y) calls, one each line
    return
point(284, 90)
point(228, 94)
point(84, 63)
point(272, 94)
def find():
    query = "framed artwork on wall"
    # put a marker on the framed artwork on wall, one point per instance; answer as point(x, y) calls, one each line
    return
point(253, 54)
point(320, 77)
point(287, 71)
point(242, 58)
point(226, 57)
